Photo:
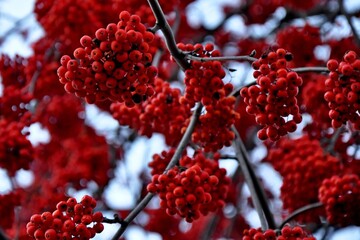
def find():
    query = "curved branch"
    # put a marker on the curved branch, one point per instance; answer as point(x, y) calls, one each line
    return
point(165, 28)
point(257, 192)
point(300, 211)
point(174, 160)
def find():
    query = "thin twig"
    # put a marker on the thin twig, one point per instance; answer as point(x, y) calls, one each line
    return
point(300, 211)
point(168, 34)
point(257, 192)
point(174, 160)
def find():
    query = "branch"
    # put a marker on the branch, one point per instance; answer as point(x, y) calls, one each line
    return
point(257, 192)
point(300, 211)
point(311, 69)
point(348, 18)
point(229, 58)
point(174, 160)
point(165, 28)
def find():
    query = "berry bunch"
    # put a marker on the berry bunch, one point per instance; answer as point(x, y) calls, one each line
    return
point(12, 70)
point(7, 208)
point(13, 103)
point(65, 21)
point(16, 151)
point(160, 161)
point(213, 130)
point(162, 113)
point(203, 80)
point(343, 90)
point(50, 113)
point(341, 197)
point(274, 96)
point(70, 220)
point(312, 100)
point(300, 5)
point(307, 36)
point(193, 192)
point(303, 165)
point(114, 65)
point(286, 233)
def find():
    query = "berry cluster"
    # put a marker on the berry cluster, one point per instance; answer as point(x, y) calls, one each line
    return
point(50, 113)
point(160, 161)
point(13, 103)
point(343, 90)
point(196, 191)
point(12, 70)
point(65, 21)
point(273, 98)
point(213, 130)
point(203, 80)
point(312, 100)
point(297, 5)
point(341, 198)
point(286, 233)
point(70, 220)
point(307, 36)
point(16, 151)
point(7, 208)
point(162, 113)
point(303, 165)
point(114, 65)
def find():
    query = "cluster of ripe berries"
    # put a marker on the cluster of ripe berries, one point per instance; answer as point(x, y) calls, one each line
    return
point(203, 80)
point(340, 196)
point(190, 193)
point(71, 220)
point(343, 90)
point(273, 98)
point(114, 65)
point(16, 151)
point(286, 233)
point(303, 165)
point(213, 130)
point(162, 113)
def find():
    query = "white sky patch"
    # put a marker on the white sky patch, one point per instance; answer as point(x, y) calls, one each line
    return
point(24, 178)
point(5, 184)
point(38, 134)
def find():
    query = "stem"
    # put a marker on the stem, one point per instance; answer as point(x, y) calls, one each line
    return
point(168, 34)
point(300, 211)
point(257, 192)
point(174, 160)
point(348, 18)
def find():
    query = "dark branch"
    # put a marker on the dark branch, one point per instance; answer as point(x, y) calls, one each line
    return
point(165, 28)
point(257, 192)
